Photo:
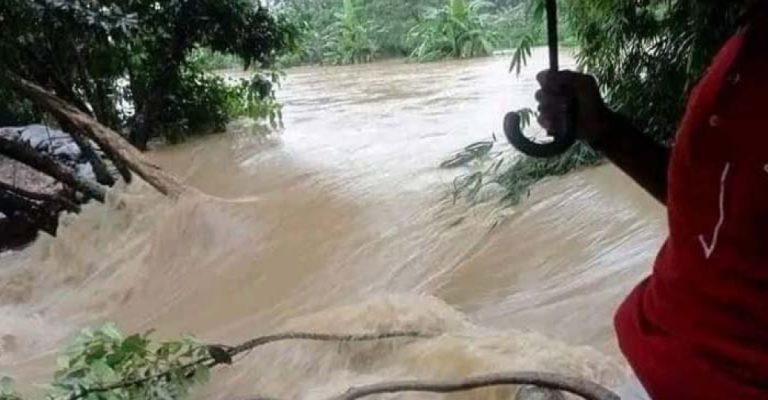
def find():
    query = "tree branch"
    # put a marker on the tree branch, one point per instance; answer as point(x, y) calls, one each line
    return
point(261, 341)
point(25, 154)
point(223, 355)
point(113, 145)
point(586, 389)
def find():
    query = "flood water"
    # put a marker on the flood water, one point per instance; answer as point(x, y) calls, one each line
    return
point(342, 223)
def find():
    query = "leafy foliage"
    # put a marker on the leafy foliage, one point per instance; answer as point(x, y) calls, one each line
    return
point(391, 28)
point(459, 30)
point(516, 174)
point(131, 63)
point(255, 98)
point(647, 55)
point(104, 364)
point(349, 41)
point(104, 357)
point(100, 362)
point(470, 153)
point(7, 389)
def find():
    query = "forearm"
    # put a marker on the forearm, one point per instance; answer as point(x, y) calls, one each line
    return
point(644, 160)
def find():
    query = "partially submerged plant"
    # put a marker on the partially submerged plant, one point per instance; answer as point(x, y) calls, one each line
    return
point(103, 364)
point(513, 172)
point(103, 357)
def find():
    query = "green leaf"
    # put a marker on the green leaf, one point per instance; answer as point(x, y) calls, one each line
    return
point(63, 362)
point(102, 372)
point(202, 375)
point(6, 386)
point(111, 331)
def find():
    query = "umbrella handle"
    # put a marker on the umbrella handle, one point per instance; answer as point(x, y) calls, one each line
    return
point(565, 135)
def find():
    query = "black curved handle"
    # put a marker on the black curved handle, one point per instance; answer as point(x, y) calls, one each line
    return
point(562, 141)
point(565, 135)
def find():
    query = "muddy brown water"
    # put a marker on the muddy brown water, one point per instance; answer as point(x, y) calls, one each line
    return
point(340, 224)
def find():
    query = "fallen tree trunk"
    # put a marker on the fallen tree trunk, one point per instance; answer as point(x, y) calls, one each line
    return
point(113, 145)
point(25, 154)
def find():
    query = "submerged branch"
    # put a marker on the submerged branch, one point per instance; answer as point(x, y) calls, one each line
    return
point(261, 341)
point(219, 355)
point(586, 389)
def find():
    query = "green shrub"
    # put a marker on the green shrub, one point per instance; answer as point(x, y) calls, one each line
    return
point(104, 357)
point(461, 29)
point(211, 60)
point(100, 55)
point(203, 102)
point(8, 390)
point(348, 41)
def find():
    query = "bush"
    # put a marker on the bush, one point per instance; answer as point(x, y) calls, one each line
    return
point(109, 59)
point(348, 41)
point(459, 30)
point(104, 356)
point(210, 60)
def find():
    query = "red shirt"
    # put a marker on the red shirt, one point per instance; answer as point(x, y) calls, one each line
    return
point(698, 327)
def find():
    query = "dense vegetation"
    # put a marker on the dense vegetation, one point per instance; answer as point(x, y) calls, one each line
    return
point(133, 65)
point(354, 31)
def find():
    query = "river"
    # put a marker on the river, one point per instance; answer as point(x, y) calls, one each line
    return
point(341, 223)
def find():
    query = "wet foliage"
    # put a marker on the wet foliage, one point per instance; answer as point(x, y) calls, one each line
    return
point(104, 364)
point(354, 31)
point(135, 64)
point(461, 29)
point(104, 357)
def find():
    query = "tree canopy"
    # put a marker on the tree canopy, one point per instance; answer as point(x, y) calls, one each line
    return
point(128, 62)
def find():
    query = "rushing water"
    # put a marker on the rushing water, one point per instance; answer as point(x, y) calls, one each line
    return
point(340, 224)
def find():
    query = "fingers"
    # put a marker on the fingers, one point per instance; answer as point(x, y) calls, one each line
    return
point(552, 108)
point(553, 102)
point(550, 101)
point(565, 82)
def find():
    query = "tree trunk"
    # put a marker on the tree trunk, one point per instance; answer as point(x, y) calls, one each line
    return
point(25, 154)
point(150, 110)
point(113, 145)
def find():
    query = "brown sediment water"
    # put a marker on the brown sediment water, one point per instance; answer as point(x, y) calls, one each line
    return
point(341, 223)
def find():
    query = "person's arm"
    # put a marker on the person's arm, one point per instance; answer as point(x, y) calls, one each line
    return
point(637, 155)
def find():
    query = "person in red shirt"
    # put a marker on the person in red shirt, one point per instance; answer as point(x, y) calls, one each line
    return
point(697, 328)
